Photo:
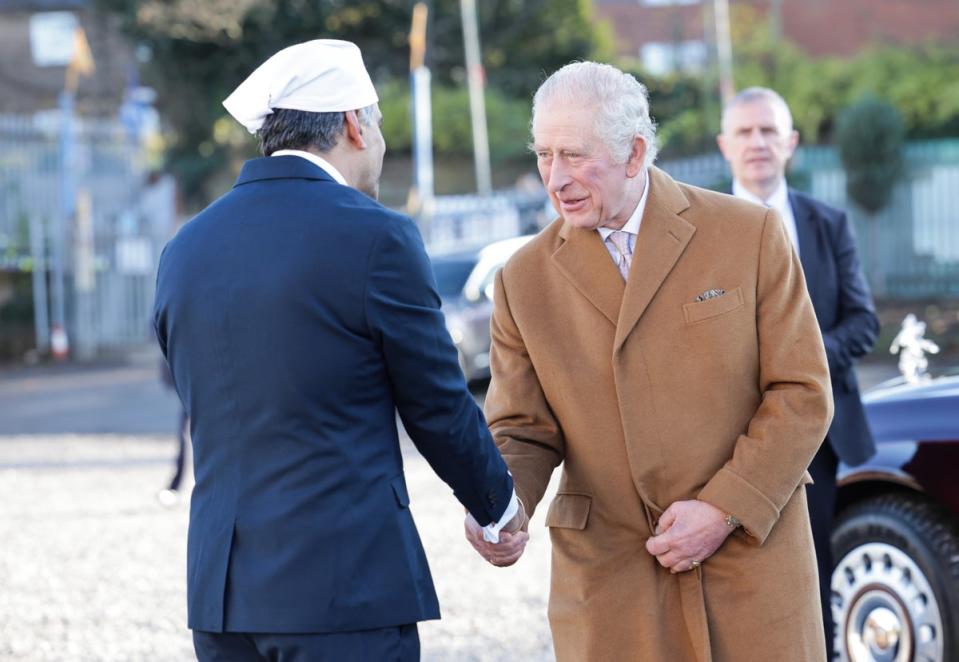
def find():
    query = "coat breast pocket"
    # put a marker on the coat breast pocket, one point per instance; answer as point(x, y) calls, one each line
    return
point(700, 311)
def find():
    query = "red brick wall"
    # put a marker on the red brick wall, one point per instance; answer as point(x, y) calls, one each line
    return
point(819, 27)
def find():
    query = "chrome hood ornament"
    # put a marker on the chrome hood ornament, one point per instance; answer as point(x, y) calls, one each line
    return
point(912, 348)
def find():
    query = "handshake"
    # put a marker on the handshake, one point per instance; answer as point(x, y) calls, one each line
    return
point(512, 539)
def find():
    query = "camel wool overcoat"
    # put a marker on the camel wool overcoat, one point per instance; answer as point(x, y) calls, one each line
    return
point(649, 393)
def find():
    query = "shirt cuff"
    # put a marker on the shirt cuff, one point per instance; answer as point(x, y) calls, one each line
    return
point(491, 531)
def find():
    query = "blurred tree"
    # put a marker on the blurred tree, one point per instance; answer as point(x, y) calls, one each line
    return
point(870, 134)
point(451, 121)
point(920, 82)
point(199, 51)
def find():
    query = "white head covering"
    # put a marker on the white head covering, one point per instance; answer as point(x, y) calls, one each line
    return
point(319, 76)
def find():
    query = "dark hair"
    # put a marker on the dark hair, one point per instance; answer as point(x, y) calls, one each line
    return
point(298, 129)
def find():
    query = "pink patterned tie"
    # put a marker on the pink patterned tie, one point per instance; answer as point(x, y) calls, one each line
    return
point(622, 254)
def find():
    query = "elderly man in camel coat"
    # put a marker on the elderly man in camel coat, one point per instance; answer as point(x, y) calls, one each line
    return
point(657, 340)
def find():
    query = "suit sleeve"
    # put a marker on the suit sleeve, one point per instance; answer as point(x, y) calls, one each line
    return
point(857, 327)
point(437, 409)
point(519, 416)
point(159, 321)
point(769, 461)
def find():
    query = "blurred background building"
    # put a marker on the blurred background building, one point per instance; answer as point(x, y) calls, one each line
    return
point(677, 35)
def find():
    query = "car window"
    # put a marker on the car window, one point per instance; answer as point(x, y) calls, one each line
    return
point(490, 276)
point(451, 275)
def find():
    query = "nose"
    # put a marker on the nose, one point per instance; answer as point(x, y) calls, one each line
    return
point(757, 138)
point(558, 176)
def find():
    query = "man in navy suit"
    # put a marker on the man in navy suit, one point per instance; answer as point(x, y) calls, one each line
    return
point(298, 317)
point(757, 140)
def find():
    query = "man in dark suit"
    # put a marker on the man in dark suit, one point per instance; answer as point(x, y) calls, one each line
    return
point(298, 316)
point(758, 140)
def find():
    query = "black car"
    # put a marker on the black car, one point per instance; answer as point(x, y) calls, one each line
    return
point(895, 586)
point(465, 283)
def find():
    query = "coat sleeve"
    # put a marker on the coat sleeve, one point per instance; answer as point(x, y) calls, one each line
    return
point(519, 416)
point(857, 326)
point(437, 410)
point(769, 461)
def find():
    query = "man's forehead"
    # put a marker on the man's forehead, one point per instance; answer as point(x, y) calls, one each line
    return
point(563, 126)
point(757, 112)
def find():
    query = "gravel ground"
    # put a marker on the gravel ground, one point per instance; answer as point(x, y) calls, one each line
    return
point(93, 568)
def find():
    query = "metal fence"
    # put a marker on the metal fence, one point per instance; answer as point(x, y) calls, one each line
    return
point(111, 243)
point(108, 241)
point(458, 221)
point(910, 249)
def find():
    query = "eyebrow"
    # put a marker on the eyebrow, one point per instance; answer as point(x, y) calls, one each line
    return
point(576, 149)
point(759, 125)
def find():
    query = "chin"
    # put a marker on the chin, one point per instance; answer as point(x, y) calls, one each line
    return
point(760, 174)
point(582, 222)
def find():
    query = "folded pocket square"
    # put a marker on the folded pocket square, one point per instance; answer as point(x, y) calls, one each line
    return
point(709, 294)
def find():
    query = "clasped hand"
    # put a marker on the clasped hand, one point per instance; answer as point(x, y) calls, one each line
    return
point(688, 533)
point(512, 539)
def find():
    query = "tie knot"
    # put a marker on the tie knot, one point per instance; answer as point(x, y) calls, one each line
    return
point(620, 240)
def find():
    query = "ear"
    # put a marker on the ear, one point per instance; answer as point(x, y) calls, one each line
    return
point(721, 143)
point(354, 131)
point(793, 141)
point(634, 164)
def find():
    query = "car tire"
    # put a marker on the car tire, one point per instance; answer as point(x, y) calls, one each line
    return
point(895, 582)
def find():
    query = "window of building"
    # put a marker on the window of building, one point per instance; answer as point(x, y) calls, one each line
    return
point(665, 57)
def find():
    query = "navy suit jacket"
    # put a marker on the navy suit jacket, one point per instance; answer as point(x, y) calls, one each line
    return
point(847, 317)
point(298, 317)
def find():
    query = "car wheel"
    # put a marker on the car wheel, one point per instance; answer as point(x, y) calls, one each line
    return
point(895, 583)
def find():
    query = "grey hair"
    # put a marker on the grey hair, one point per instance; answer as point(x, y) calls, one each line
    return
point(285, 128)
point(754, 94)
point(621, 103)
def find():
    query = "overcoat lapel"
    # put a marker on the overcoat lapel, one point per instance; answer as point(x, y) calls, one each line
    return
point(584, 261)
point(663, 236)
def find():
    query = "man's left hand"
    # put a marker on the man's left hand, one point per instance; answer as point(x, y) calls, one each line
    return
point(688, 533)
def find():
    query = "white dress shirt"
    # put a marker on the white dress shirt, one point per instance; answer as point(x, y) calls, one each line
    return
point(631, 227)
point(490, 531)
point(779, 201)
point(316, 160)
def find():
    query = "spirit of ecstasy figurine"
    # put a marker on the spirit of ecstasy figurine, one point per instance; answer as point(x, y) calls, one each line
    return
point(912, 348)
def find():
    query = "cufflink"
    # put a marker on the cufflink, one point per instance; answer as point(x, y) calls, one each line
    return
point(733, 522)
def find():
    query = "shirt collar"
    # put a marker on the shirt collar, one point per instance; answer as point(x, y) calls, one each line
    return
point(778, 200)
point(321, 162)
point(632, 225)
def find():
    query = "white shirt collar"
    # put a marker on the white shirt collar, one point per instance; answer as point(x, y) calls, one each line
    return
point(321, 162)
point(779, 200)
point(632, 225)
